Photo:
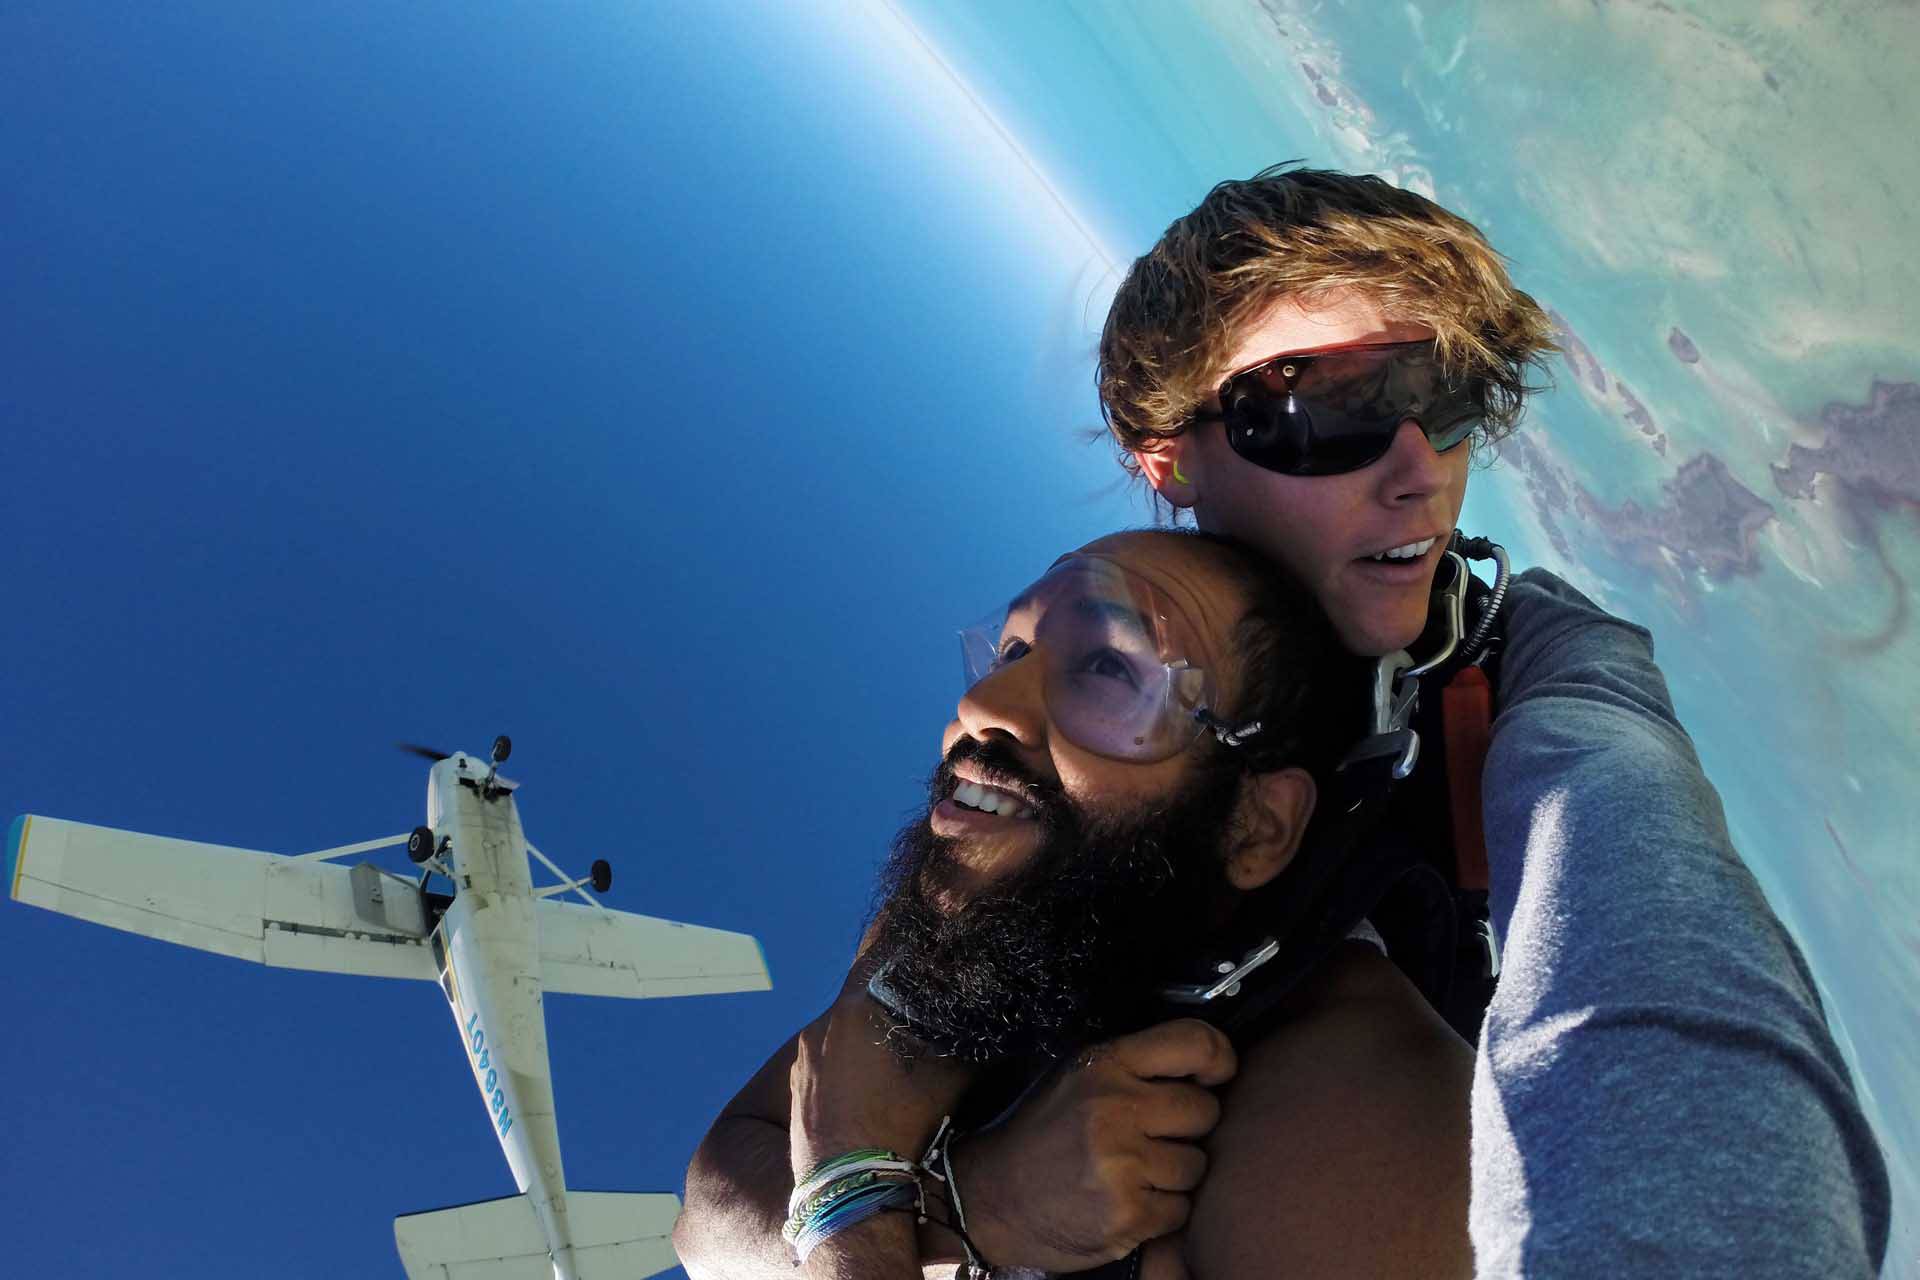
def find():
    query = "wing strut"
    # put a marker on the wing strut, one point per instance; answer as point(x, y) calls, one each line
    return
point(365, 846)
point(547, 862)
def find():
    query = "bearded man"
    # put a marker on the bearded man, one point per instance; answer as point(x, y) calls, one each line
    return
point(1125, 784)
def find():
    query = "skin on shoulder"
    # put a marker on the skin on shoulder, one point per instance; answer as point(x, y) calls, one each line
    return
point(1343, 1145)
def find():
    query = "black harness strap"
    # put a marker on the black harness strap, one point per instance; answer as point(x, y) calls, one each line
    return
point(1424, 890)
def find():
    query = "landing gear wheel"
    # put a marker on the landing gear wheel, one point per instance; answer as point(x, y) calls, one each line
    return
point(420, 844)
point(502, 748)
point(602, 874)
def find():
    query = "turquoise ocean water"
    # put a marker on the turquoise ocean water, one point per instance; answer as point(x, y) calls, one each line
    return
point(1711, 198)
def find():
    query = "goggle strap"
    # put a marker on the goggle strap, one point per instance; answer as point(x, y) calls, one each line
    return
point(1229, 735)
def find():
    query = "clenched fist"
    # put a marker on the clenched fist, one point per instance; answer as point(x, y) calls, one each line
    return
point(1100, 1157)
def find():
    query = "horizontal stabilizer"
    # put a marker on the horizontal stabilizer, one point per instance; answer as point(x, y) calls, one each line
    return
point(274, 910)
point(616, 1236)
point(588, 951)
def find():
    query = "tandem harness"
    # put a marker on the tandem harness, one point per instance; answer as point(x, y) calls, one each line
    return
point(1378, 852)
point(1399, 839)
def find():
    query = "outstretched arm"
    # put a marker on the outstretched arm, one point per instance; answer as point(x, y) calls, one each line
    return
point(1656, 1089)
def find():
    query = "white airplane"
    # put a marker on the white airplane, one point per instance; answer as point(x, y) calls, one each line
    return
point(494, 945)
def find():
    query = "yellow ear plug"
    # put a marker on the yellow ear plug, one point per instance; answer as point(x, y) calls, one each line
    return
point(1178, 478)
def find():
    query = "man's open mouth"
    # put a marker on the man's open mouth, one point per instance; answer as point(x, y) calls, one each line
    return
point(986, 799)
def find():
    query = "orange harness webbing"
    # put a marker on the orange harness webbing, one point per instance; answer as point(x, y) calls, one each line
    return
point(1466, 719)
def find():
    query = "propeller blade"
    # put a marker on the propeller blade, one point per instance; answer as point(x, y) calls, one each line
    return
point(425, 753)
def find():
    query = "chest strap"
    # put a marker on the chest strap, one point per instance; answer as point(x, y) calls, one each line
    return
point(1466, 718)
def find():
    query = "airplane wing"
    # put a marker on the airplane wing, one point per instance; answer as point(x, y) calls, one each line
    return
point(617, 1235)
point(587, 951)
point(293, 913)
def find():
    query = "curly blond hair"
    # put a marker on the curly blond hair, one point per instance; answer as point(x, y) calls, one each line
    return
point(1302, 234)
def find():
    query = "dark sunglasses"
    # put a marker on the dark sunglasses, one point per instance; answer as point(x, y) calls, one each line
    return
point(1329, 412)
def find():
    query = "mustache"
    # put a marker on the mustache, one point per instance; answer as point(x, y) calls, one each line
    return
point(994, 763)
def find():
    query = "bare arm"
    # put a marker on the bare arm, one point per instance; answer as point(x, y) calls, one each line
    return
point(737, 1188)
point(842, 1101)
point(877, 1249)
point(739, 1180)
point(743, 1171)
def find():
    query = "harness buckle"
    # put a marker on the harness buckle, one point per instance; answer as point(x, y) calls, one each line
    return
point(1396, 691)
point(1396, 683)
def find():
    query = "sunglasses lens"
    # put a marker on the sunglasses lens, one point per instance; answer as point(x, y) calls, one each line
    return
point(1448, 425)
point(1337, 411)
point(1266, 428)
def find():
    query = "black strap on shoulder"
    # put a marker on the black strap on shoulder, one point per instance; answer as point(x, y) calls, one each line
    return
point(1381, 848)
point(1338, 876)
point(1354, 872)
point(1381, 851)
point(1290, 926)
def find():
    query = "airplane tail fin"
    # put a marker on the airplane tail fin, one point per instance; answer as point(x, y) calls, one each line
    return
point(615, 1234)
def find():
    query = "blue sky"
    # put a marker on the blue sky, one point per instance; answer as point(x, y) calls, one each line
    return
point(659, 384)
point(661, 387)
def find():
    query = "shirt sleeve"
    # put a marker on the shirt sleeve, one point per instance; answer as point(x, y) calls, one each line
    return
point(1656, 1091)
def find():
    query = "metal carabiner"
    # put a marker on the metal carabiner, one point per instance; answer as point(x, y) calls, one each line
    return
point(1396, 684)
point(1391, 738)
point(1450, 602)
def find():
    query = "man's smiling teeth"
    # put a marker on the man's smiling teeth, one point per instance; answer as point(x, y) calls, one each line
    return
point(987, 800)
point(1412, 551)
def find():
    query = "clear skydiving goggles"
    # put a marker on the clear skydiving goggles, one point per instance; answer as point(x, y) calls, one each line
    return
point(1126, 674)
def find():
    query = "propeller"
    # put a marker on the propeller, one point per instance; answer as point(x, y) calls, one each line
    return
point(425, 753)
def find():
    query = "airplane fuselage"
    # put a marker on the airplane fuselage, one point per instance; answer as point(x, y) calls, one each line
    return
point(487, 944)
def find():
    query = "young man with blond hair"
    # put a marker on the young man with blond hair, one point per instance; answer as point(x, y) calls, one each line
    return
point(1307, 362)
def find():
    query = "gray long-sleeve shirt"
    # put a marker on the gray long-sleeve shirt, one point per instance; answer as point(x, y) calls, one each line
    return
point(1656, 1091)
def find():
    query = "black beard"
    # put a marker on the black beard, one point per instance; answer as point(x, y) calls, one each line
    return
point(1064, 951)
